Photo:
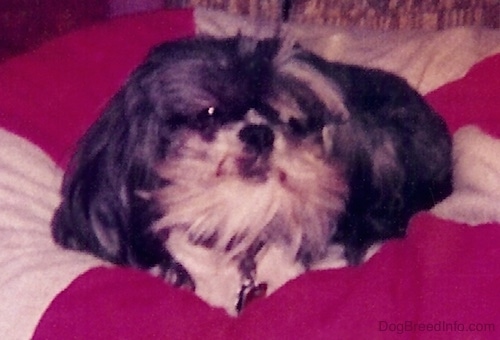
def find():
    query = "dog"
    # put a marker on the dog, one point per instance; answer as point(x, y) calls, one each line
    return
point(231, 165)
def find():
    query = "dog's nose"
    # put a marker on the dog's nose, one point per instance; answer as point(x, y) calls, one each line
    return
point(258, 137)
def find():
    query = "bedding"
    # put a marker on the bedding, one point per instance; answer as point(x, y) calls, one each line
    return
point(440, 281)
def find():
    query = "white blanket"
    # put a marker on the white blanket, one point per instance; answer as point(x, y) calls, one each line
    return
point(476, 179)
point(33, 270)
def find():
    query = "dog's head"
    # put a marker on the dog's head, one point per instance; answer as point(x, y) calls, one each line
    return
point(227, 140)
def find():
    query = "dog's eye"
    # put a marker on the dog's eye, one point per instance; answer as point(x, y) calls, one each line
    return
point(207, 120)
point(212, 118)
point(211, 111)
point(206, 117)
point(214, 115)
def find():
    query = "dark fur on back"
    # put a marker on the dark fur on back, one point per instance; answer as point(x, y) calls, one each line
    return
point(395, 151)
point(384, 195)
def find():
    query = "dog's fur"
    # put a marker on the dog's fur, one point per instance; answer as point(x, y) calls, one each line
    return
point(244, 148)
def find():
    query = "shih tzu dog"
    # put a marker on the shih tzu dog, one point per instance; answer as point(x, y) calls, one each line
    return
point(233, 165)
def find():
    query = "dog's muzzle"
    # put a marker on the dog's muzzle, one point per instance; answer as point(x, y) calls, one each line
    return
point(258, 140)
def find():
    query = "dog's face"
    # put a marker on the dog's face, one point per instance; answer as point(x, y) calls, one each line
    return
point(250, 160)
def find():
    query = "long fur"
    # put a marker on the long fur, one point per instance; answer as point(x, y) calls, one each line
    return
point(237, 143)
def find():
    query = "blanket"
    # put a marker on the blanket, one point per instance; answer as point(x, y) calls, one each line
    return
point(442, 279)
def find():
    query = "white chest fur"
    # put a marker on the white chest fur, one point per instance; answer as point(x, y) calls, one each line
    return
point(218, 277)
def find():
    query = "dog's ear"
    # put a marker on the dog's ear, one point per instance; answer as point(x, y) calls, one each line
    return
point(101, 212)
point(102, 209)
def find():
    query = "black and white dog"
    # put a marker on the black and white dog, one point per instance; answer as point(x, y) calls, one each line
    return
point(235, 163)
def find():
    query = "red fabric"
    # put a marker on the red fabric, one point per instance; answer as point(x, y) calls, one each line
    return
point(443, 275)
point(51, 96)
point(473, 99)
point(24, 24)
point(123, 303)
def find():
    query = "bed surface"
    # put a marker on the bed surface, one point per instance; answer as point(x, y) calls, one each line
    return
point(444, 271)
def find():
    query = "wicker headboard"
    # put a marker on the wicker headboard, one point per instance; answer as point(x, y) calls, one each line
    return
point(373, 14)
